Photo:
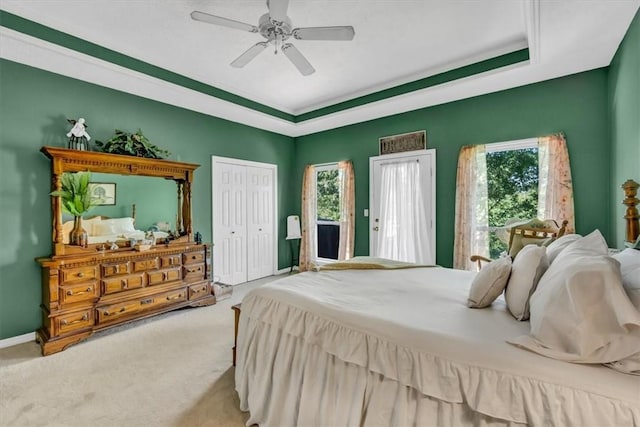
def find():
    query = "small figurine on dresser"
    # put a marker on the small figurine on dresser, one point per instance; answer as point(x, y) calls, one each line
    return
point(78, 136)
point(198, 238)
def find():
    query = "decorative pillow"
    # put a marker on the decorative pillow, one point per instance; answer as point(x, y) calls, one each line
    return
point(520, 242)
point(580, 313)
point(489, 283)
point(528, 266)
point(629, 260)
point(558, 245)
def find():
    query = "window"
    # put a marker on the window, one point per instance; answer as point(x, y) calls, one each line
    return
point(512, 188)
point(328, 207)
point(513, 180)
point(327, 211)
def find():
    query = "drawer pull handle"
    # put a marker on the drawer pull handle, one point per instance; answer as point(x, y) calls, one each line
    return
point(81, 274)
point(174, 297)
point(146, 301)
point(124, 284)
point(84, 318)
point(89, 289)
point(193, 257)
point(106, 313)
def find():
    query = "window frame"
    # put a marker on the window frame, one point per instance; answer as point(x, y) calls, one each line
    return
point(498, 147)
point(322, 168)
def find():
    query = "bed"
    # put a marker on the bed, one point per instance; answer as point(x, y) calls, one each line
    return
point(395, 346)
point(102, 229)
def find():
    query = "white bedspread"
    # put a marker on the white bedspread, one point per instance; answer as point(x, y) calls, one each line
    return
point(410, 332)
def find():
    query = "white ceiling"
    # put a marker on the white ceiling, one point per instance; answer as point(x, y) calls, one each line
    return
point(396, 42)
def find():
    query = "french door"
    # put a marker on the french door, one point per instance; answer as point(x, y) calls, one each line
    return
point(402, 206)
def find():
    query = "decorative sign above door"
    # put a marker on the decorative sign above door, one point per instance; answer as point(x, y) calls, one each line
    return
point(404, 142)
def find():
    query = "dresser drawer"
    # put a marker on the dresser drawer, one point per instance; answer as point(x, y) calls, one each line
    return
point(193, 257)
point(164, 276)
point(78, 274)
point(77, 292)
point(116, 311)
point(73, 321)
point(116, 269)
point(123, 283)
point(170, 261)
point(145, 264)
point(199, 290)
point(193, 271)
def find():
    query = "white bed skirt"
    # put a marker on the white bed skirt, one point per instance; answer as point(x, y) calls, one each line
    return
point(298, 368)
point(321, 390)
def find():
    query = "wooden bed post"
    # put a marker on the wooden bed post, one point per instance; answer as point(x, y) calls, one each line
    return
point(630, 188)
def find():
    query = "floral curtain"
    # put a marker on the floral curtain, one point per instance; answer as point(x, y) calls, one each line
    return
point(308, 223)
point(347, 209)
point(472, 209)
point(555, 188)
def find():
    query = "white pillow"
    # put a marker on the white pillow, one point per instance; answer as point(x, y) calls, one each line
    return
point(103, 228)
point(592, 243)
point(528, 266)
point(580, 313)
point(554, 248)
point(489, 283)
point(121, 225)
point(629, 260)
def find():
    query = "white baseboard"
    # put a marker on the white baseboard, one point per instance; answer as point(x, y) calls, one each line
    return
point(20, 339)
point(287, 270)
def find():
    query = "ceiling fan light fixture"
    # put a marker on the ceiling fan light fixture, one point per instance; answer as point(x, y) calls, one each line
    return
point(275, 26)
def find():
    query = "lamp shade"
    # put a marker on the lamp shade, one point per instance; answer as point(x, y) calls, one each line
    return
point(293, 227)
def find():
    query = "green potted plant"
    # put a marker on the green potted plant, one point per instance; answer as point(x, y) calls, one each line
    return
point(132, 144)
point(75, 199)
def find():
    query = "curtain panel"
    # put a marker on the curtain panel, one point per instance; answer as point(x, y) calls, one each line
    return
point(347, 210)
point(472, 208)
point(555, 187)
point(308, 220)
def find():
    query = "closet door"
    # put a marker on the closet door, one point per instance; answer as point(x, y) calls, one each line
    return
point(260, 222)
point(230, 224)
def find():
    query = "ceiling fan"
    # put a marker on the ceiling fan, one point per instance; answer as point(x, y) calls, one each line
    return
point(275, 26)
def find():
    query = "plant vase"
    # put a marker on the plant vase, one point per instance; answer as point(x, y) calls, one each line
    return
point(78, 235)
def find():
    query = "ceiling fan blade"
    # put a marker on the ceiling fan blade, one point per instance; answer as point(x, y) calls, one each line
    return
point(324, 33)
point(249, 54)
point(297, 59)
point(224, 22)
point(278, 9)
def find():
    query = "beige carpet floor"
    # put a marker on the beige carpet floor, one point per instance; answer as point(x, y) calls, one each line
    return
point(171, 370)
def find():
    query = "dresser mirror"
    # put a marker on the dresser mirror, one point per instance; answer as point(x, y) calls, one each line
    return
point(154, 200)
point(147, 193)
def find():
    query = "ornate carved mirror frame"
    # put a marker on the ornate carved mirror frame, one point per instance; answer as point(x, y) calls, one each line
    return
point(66, 160)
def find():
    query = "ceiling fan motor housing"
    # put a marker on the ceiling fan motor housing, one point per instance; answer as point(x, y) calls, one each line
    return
point(270, 29)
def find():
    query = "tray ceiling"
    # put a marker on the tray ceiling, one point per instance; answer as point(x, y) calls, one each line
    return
point(396, 42)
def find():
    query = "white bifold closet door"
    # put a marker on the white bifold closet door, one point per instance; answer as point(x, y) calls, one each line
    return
point(244, 227)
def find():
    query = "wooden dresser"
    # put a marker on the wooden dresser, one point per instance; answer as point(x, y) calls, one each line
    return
point(88, 289)
point(83, 294)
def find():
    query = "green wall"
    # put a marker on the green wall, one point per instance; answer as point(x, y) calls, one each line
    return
point(576, 105)
point(624, 110)
point(34, 106)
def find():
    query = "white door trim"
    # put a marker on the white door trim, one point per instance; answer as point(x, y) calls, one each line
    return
point(431, 154)
point(240, 162)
